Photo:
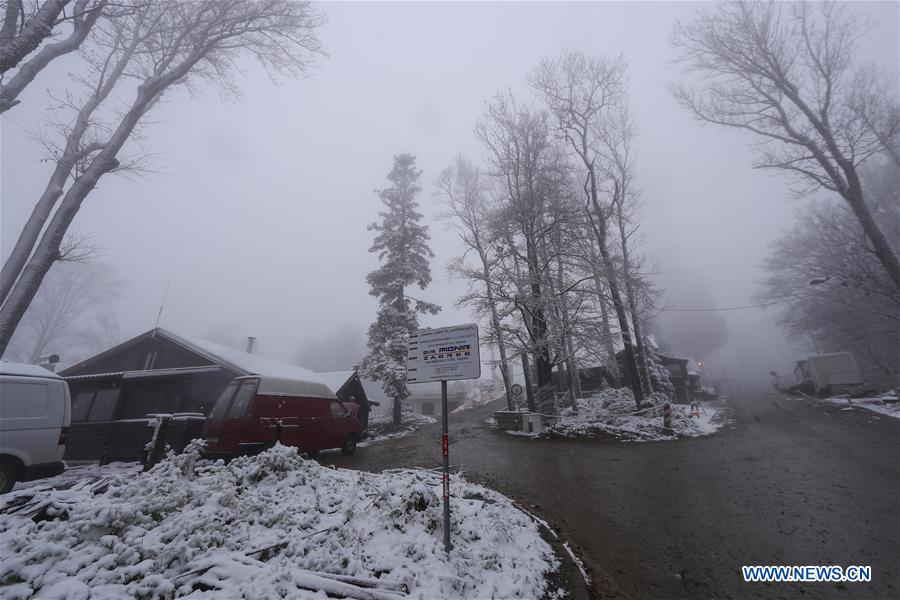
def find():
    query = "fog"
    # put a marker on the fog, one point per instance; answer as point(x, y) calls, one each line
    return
point(256, 215)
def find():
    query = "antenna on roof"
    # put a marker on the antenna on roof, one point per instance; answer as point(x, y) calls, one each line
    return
point(162, 304)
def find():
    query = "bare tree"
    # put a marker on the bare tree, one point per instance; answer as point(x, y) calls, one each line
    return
point(618, 167)
point(462, 189)
point(158, 46)
point(785, 73)
point(71, 308)
point(582, 92)
point(23, 33)
point(520, 150)
point(851, 305)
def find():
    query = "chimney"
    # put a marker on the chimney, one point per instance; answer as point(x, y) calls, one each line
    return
point(250, 340)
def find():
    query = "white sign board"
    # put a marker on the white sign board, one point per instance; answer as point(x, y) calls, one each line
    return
point(443, 354)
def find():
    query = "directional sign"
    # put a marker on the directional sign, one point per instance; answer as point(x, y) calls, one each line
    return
point(443, 354)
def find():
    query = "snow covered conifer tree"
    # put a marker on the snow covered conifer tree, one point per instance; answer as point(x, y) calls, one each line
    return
point(402, 246)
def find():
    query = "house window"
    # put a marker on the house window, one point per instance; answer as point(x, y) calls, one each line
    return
point(104, 405)
point(81, 404)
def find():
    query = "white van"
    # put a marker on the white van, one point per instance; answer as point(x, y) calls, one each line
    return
point(34, 419)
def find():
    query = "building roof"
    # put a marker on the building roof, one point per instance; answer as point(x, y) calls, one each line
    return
point(238, 362)
point(25, 370)
point(335, 380)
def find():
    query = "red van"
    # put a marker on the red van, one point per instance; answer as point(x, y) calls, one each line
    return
point(254, 412)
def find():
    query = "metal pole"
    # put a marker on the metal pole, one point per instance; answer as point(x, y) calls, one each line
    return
point(445, 450)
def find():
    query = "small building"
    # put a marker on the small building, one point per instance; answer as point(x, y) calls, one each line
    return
point(829, 373)
point(115, 393)
point(683, 373)
point(424, 398)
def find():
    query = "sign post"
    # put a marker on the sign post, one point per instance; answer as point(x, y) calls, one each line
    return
point(445, 354)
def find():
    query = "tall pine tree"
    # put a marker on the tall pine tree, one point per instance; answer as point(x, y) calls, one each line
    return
point(402, 246)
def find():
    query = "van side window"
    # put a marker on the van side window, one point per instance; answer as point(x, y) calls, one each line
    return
point(24, 400)
point(220, 408)
point(242, 399)
point(81, 404)
point(104, 405)
point(337, 410)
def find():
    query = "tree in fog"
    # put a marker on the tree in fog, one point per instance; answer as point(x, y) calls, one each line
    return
point(786, 73)
point(70, 315)
point(838, 296)
point(140, 55)
point(464, 191)
point(585, 95)
point(27, 38)
point(401, 242)
point(521, 155)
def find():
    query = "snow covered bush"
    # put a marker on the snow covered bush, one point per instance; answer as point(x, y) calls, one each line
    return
point(611, 412)
point(269, 526)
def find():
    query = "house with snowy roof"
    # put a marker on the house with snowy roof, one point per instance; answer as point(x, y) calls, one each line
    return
point(115, 393)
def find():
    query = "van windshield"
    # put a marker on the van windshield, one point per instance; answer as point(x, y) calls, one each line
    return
point(242, 399)
point(221, 407)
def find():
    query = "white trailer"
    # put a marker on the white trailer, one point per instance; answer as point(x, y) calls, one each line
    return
point(836, 371)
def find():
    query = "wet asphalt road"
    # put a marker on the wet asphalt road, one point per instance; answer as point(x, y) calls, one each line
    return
point(787, 483)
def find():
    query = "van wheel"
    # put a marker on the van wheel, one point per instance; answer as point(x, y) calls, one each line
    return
point(349, 446)
point(7, 477)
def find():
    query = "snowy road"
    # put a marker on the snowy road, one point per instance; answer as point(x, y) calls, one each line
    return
point(788, 483)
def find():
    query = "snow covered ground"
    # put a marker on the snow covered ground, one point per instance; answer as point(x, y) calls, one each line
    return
point(611, 412)
point(269, 526)
point(883, 404)
point(382, 427)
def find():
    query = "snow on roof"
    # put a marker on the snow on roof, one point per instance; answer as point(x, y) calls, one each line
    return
point(25, 370)
point(252, 364)
point(335, 380)
point(248, 364)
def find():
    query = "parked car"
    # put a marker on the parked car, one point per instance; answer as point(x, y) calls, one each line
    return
point(254, 412)
point(35, 412)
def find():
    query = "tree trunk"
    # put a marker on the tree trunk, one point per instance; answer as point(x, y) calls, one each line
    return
point(10, 22)
point(880, 246)
point(529, 385)
point(507, 382)
point(495, 324)
point(621, 315)
point(641, 356)
point(36, 30)
point(47, 251)
point(398, 410)
point(32, 229)
point(543, 364)
point(82, 24)
point(607, 332)
point(630, 294)
point(398, 394)
point(573, 368)
point(14, 264)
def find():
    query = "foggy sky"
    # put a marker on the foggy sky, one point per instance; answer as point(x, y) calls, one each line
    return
point(258, 216)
